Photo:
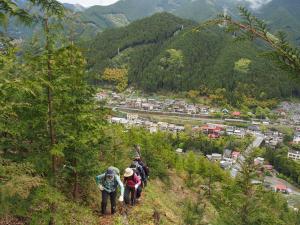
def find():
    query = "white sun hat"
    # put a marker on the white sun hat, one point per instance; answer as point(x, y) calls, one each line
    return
point(128, 172)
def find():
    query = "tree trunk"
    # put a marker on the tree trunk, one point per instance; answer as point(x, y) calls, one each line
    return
point(76, 182)
point(76, 187)
point(53, 211)
point(49, 93)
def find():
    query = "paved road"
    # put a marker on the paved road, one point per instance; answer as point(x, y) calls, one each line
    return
point(275, 181)
point(293, 199)
point(259, 138)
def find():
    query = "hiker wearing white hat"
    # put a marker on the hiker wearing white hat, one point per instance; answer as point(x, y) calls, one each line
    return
point(132, 183)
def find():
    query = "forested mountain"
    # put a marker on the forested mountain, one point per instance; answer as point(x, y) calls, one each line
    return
point(162, 52)
point(126, 11)
point(283, 15)
point(280, 14)
point(71, 22)
point(74, 7)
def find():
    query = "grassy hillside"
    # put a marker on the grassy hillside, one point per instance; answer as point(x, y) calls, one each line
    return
point(160, 200)
point(159, 59)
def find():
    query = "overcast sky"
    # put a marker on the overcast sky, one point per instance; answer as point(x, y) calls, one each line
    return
point(88, 3)
point(254, 3)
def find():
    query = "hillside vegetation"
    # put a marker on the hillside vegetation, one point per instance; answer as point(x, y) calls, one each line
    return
point(283, 15)
point(55, 139)
point(89, 21)
point(158, 58)
point(278, 13)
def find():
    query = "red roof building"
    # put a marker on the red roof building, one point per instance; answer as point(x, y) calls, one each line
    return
point(236, 113)
point(281, 188)
point(268, 167)
point(211, 129)
point(235, 155)
point(214, 135)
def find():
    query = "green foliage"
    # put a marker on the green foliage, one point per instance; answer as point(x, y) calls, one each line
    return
point(201, 143)
point(205, 60)
point(242, 65)
point(47, 169)
point(48, 205)
point(244, 203)
point(283, 164)
point(50, 73)
point(10, 8)
point(118, 76)
point(157, 151)
point(251, 28)
point(193, 213)
point(17, 180)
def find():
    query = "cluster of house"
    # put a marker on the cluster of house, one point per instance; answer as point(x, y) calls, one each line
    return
point(151, 104)
point(296, 139)
point(212, 130)
point(227, 159)
point(217, 130)
point(273, 138)
point(132, 120)
point(295, 154)
point(168, 105)
point(289, 113)
point(236, 131)
point(261, 165)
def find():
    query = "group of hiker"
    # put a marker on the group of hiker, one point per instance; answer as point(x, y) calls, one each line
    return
point(135, 179)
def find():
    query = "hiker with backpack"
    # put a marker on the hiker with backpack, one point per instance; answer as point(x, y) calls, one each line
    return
point(137, 160)
point(137, 150)
point(108, 183)
point(139, 171)
point(132, 186)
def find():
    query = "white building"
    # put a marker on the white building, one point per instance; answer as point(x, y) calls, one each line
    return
point(153, 129)
point(230, 130)
point(132, 116)
point(179, 150)
point(259, 161)
point(191, 109)
point(295, 155)
point(179, 128)
point(147, 106)
point(163, 125)
point(239, 133)
point(216, 156)
point(119, 120)
point(296, 139)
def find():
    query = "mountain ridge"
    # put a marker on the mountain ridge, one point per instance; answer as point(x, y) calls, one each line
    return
point(279, 14)
point(199, 11)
